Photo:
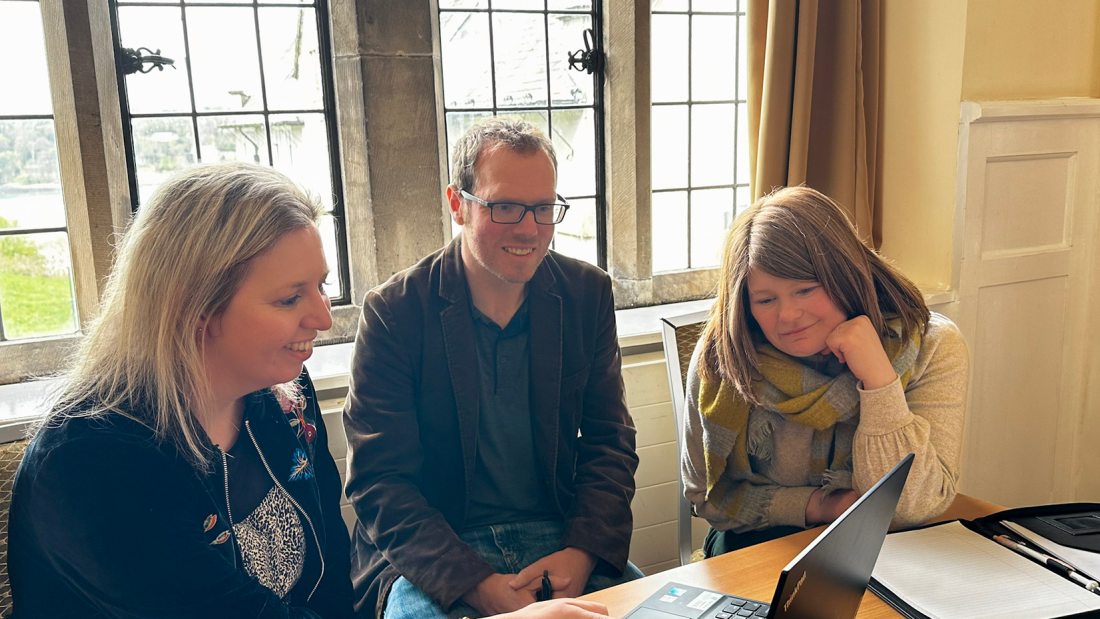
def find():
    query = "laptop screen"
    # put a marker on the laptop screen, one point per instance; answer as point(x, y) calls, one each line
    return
point(828, 578)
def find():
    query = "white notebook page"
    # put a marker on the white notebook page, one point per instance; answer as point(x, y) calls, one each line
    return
point(950, 572)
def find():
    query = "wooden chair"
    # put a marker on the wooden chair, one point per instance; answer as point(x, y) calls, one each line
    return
point(680, 334)
point(11, 453)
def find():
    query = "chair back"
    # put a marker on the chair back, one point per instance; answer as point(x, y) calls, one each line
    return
point(680, 335)
point(11, 454)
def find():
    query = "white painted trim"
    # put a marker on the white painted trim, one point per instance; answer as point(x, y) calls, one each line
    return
point(994, 111)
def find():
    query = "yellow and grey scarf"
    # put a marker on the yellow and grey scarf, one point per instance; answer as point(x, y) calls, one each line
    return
point(796, 392)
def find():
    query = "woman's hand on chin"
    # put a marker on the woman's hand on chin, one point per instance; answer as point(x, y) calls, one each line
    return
point(856, 343)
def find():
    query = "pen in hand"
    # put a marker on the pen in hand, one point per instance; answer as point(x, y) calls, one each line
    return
point(1061, 567)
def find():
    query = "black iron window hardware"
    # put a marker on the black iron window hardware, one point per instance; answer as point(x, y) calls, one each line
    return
point(132, 61)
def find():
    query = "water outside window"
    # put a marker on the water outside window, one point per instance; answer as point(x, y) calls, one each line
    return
point(36, 282)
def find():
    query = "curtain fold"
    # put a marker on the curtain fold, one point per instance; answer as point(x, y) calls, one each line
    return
point(814, 94)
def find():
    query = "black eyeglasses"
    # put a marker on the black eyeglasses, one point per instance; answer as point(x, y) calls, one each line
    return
point(511, 213)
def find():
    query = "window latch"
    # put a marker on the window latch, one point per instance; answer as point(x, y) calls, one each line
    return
point(132, 61)
point(588, 59)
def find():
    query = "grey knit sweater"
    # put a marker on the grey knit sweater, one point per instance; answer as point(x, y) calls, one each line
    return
point(926, 419)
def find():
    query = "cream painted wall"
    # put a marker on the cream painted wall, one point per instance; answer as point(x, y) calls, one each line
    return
point(922, 82)
point(1023, 49)
point(939, 53)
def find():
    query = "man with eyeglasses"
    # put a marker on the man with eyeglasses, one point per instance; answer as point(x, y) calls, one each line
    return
point(491, 454)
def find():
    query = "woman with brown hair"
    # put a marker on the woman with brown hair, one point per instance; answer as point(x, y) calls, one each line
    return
point(819, 369)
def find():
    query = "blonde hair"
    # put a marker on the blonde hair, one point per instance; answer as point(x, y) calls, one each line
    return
point(799, 233)
point(183, 258)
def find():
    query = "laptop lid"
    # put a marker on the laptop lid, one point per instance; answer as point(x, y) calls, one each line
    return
point(827, 579)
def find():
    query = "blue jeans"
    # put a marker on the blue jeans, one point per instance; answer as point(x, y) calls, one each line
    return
point(508, 548)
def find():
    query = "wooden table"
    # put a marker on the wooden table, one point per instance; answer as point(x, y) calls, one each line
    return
point(753, 572)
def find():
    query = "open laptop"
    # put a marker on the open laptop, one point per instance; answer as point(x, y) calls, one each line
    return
point(825, 581)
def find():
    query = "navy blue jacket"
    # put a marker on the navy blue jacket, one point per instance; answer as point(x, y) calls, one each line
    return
point(105, 522)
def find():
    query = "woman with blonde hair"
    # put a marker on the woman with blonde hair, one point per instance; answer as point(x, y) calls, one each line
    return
point(184, 470)
point(819, 369)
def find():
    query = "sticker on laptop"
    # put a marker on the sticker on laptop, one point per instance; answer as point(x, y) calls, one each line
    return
point(676, 591)
point(705, 600)
point(668, 599)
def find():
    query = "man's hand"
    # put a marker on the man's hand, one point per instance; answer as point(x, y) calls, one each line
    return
point(856, 343)
point(824, 509)
point(569, 571)
point(559, 609)
point(493, 595)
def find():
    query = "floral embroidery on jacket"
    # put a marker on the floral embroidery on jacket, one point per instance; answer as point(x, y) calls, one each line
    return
point(293, 403)
point(302, 468)
point(221, 538)
point(209, 522)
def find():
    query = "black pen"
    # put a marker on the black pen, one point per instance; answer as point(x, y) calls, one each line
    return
point(1061, 567)
point(547, 590)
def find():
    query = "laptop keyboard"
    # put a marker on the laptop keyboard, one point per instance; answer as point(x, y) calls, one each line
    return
point(738, 608)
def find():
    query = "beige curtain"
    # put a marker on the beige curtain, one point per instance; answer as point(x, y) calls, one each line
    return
point(815, 101)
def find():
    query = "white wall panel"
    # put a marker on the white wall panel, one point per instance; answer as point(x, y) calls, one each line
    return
point(655, 544)
point(654, 423)
point(655, 504)
point(1028, 188)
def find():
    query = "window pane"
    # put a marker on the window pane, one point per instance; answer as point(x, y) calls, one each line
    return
point(329, 234)
point(711, 216)
point(23, 71)
point(467, 78)
point(225, 66)
point(37, 206)
point(568, 86)
point(519, 52)
point(538, 118)
point(233, 138)
point(669, 53)
point(669, 130)
point(575, 144)
point(299, 147)
point(712, 144)
point(463, 4)
point(575, 236)
point(30, 184)
point(458, 123)
point(669, 5)
point(533, 5)
point(742, 143)
point(569, 5)
point(744, 200)
point(156, 28)
point(714, 6)
point(742, 59)
point(162, 147)
point(670, 233)
point(713, 57)
point(292, 62)
point(36, 285)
